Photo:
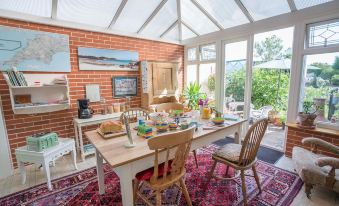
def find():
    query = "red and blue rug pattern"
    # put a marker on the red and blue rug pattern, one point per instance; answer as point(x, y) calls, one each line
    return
point(279, 188)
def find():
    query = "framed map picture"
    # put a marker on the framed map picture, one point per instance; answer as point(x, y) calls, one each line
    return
point(29, 50)
point(107, 59)
point(125, 86)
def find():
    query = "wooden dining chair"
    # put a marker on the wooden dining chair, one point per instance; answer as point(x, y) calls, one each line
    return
point(167, 107)
point(169, 173)
point(133, 114)
point(241, 157)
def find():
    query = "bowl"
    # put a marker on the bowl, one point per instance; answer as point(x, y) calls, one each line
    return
point(172, 126)
point(161, 126)
point(158, 116)
point(218, 120)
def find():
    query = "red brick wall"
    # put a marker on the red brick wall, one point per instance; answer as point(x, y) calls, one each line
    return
point(295, 135)
point(20, 126)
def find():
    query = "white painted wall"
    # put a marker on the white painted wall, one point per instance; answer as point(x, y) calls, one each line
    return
point(6, 168)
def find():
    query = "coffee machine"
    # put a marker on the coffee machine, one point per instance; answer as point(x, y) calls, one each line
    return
point(84, 112)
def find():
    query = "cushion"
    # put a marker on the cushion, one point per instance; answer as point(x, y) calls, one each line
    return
point(147, 174)
point(230, 152)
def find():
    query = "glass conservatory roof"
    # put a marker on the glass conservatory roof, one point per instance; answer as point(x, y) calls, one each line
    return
point(172, 20)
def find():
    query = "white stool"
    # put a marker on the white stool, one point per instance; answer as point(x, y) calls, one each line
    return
point(65, 146)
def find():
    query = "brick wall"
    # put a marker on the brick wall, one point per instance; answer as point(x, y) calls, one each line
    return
point(20, 126)
point(295, 135)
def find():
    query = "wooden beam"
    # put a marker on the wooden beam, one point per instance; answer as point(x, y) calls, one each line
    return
point(292, 6)
point(244, 10)
point(215, 22)
point(149, 19)
point(117, 13)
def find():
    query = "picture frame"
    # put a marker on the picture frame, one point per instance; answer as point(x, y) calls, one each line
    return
point(124, 86)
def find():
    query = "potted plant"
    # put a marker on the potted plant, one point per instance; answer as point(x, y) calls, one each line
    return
point(192, 95)
point(307, 117)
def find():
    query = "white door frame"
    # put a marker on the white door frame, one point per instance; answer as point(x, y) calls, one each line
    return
point(5, 155)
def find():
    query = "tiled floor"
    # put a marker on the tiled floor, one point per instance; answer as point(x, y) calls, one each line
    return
point(65, 167)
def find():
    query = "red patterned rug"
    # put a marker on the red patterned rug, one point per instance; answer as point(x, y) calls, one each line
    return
point(279, 188)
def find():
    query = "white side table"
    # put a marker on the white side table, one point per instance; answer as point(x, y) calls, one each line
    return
point(95, 119)
point(65, 146)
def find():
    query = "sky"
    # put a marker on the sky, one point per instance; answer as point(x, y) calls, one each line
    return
point(237, 50)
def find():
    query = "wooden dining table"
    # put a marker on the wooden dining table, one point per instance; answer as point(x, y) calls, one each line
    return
point(127, 162)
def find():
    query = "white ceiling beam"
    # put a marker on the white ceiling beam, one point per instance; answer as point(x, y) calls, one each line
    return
point(190, 28)
point(244, 10)
point(54, 9)
point(210, 17)
point(117, 13)
point(169, 29)
point(179, 19)
point(149, 19)
point(292, 5)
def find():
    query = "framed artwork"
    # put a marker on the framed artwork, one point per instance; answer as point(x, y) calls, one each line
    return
point(125, 86)
point(107, 59)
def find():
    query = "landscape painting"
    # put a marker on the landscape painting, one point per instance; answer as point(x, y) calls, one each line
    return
point(125, 86)
point(107, 59)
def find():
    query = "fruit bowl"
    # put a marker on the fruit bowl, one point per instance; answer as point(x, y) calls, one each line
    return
point(218, 120)
point(161, 126)
point(173, 126)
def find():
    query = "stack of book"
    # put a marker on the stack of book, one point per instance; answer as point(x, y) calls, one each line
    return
point(16, 78)
point(145, 131)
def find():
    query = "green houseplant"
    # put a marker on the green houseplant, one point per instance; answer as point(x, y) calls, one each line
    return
point(192, 95)
point(307, 117)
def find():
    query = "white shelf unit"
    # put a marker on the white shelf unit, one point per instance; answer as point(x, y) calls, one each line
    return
point(45, 94)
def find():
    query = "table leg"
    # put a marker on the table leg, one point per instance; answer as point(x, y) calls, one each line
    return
point(100, 173)
point(126, 185)
point(76, 134)
point(48, 174)
point(22, 172)
point(82, 152)
point(74, 157)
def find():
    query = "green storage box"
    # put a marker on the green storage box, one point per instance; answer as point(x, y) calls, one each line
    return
point(41, 141)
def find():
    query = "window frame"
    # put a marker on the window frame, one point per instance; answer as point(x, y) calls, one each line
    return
point(319, 23)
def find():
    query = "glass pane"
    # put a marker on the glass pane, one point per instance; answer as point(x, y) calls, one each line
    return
point(191, 73)
point(324, 34)
point(262, 9)
point(173, 34)
point(227, 13)
point(235, 77)
point(34, 7)
point(134, 14)
point(163, 20)
point(98, 13)
point(207, 52)
point(301, 4)
point(186, 33)
point(192, 54)
point(192, 16)
point(207, 79)
point(320, 86)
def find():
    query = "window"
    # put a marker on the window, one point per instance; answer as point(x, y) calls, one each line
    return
point(192, 54)
point(207, 52)
point(320, 84)
point(323, 34)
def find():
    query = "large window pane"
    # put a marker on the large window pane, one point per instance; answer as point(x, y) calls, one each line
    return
point(262, 9)
point(34, 7)
point(187, 33)
point(173, 34)
point(301, 4)
point(321, 82)
point(207, 79)
point(227, 13)
point(323, 34)
point(192, 72)
point(207, 52)
point(235, 77)
point(98, 13)
point(192, 54)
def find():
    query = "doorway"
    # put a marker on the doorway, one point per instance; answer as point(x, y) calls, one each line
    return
point(5, 156)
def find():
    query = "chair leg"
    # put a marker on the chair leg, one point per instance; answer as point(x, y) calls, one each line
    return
point(243, 184)
point(135, 190)
point(210, 175)
point(158, 198)
point(185, 191)
point(308, 188)
point(256, 177)
point(195, 158)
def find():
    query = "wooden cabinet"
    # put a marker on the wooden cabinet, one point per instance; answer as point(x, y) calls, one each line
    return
point(160, 81)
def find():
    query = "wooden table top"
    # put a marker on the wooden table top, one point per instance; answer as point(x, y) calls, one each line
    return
point(116, 154)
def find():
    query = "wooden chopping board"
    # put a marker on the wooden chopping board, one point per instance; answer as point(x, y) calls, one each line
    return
point(111, 135)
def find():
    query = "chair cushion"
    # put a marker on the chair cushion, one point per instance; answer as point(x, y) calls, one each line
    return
point(148, 173)
point(230, 152)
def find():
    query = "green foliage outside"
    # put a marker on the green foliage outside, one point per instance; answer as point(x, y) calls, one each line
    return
point(235, 85)
point(211, 83)
point(270, 48)
point(335, 80)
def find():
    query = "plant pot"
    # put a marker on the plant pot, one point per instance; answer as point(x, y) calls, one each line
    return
point(306, 120)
